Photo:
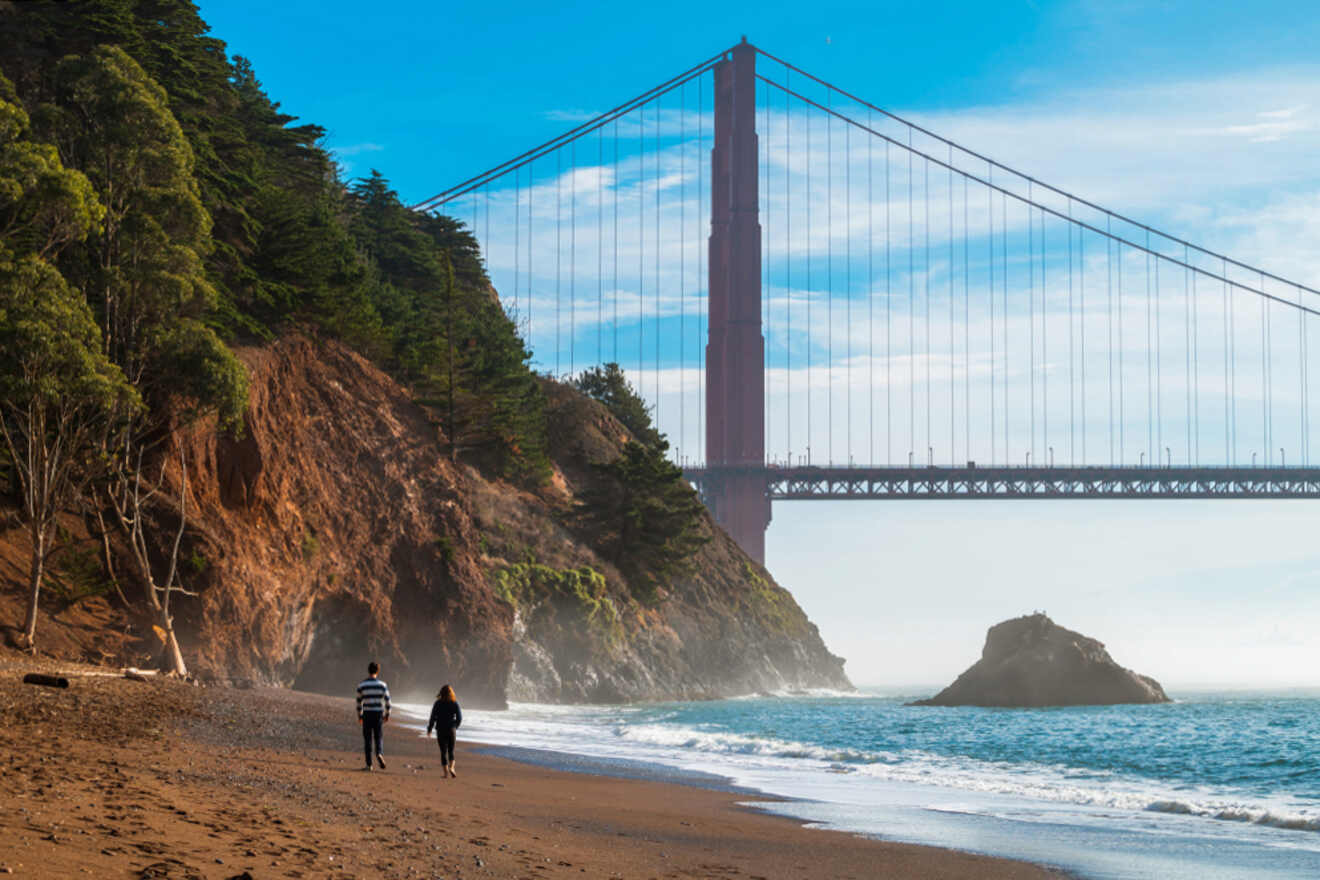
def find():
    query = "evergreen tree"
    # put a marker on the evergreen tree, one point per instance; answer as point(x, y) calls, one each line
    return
point(643, 516)
point(609, 385)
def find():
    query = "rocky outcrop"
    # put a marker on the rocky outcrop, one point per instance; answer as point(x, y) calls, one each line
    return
point(1031, 661)
point(334, 531)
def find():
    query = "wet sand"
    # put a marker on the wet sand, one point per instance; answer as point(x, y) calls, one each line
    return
point(120, 778)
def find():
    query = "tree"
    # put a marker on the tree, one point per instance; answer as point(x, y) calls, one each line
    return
point(144, 270)
point(43, 206)
point(643, 516)
point(58, 391)
point(609, 385)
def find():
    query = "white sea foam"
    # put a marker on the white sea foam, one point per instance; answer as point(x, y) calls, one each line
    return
point(789, 767)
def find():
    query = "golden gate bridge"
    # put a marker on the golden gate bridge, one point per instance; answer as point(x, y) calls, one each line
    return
point(819, 298)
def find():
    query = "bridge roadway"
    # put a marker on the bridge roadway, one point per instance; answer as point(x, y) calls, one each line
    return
point(839, 482)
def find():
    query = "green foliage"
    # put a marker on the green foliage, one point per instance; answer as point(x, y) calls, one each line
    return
point(609, 385)
point(582, 591)
point(51, 364)
point(644, 517)
point(449, 336)
point(43, 205)
point(311, 545)
point(144, 268)
point(445, 545)
point(197, 562)
point(76, 574)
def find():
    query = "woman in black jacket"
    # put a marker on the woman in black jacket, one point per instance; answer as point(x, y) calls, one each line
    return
point(446, 716)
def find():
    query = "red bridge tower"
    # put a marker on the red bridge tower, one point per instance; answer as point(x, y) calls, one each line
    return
point(735, 350)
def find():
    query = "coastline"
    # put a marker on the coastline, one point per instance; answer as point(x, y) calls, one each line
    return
point(114, 777)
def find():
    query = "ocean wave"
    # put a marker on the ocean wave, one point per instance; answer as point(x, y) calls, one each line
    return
point(1254, 816)
point(658, 734)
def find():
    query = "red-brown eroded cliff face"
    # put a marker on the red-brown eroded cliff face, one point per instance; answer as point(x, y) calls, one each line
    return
point(335, 531)
point(320, 529)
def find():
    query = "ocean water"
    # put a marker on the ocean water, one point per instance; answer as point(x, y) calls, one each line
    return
point(1214, 785)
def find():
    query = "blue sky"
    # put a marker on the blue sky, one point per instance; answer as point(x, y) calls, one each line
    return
point(1203, 120)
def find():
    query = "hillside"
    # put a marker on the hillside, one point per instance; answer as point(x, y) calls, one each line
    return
point(335, 531)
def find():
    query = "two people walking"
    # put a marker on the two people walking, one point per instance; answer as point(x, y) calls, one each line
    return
point(373, 711)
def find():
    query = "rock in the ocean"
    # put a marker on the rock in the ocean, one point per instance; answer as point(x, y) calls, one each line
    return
point(1032, 661)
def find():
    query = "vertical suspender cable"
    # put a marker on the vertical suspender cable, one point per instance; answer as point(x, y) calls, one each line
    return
point(810, 293)
point(967, 324)
point(788, 266)
point(657, 262)
point(559, 249)
point(1306, 383)
point(990, 269)
point(1072, 359)
point(870, 289)
point(847, 284)
point(517, 249)
point(1031, 316)
point(1159, 380)
point(1196, 375)
point(1269, 378)
point(912, 313)
point(1081, 327)
point(829, 283)
point(572, 265)
point(1228, 386)
point(614, 240)
point(1159, 365)
point(1122, 413)
point(1109, 311)
point(889, 434)
point(1003, 254)
point(925, 171)
point(765, 253)
point(1232, 361)
point(1044, 346)
point(531, 240)
point(953, 402)
point(682, 271)
point(600, 246)
point(703, 203)
point(1150, 354)
point(641, 243)
point(1187, 345)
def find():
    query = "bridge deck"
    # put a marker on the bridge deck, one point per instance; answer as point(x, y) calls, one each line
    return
point(943, 482)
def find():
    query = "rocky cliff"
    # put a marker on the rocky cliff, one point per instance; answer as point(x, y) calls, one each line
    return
point(335, 531)
point(1032, 661)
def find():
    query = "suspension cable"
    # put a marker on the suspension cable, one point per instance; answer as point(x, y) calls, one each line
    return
point(1032, 180)
point(582, 130)
point(1080, 224)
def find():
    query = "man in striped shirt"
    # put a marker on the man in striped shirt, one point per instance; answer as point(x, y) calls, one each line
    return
point(373, 710)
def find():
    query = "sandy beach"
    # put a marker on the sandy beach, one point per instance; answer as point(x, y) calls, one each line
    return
point(120, 778)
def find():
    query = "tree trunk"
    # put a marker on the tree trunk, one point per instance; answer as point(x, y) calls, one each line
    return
point(172, 651)
point(34, 593)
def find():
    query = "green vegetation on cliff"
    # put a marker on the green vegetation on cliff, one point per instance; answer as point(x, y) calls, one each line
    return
point(153, 194)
